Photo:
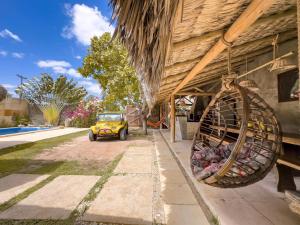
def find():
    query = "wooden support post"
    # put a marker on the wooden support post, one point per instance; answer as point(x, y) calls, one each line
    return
point(172, 119)
point(298, 23)
point(144, 122)
point(144, 116)
point(161, 115)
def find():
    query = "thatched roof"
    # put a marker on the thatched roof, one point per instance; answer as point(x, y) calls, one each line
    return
point(167, 38)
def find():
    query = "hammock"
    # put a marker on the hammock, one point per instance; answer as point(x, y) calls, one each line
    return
point(156, 124)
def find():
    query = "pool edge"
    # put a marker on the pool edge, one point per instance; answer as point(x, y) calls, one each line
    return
point(29, 132)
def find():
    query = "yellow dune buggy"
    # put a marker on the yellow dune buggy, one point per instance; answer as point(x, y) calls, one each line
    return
point(109, 125)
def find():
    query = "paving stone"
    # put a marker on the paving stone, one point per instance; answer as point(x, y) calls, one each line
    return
point(14, 184)
point(125, 200)
point(184, 215)
point(164, 156)
point(177, 194)
point(260, 193)
point(134, 150)
point(237, 212)
point(168, 164)
point(161, 148)
point(209, 192)
point(281, 214)
point(134, 164)
point(55, 200)
point(172, 177)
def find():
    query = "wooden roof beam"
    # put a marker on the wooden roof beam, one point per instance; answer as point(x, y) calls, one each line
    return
point(198, 89)
point(196, 93)
point(255, 9)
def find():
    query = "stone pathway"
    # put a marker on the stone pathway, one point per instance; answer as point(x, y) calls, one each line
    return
point(147, 188)
point(55, 200)
point(137, 164)
point(14, 184)
point(125, 200)
point(180, 204)
point(129, 196)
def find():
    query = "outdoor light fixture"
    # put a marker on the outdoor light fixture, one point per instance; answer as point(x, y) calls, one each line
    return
point(250, 84)
point(279, 65)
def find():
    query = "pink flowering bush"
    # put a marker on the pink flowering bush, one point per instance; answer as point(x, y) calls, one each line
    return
point(84, 114)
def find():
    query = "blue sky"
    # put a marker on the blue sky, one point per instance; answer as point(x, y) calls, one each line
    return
point(51, 36)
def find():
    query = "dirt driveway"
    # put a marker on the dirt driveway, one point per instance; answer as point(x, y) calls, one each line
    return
point(82, 150)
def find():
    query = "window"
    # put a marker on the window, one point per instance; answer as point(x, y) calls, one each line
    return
point(109, 117)
point(288, 86)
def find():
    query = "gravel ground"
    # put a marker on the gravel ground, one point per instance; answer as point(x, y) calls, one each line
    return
point(82, 150)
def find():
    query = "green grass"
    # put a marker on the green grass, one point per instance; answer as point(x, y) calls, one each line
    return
point(215, 220)
point(72, 168)
point(13, 159)
point(68, 168)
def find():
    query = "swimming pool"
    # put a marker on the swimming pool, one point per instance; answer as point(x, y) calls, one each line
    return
point(15, 130)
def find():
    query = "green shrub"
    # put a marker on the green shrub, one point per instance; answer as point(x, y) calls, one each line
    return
point(20, 119)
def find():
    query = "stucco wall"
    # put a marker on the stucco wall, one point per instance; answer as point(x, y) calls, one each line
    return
point(187, 129)
point(288, 113)
point(36, 116)
point(10, 107)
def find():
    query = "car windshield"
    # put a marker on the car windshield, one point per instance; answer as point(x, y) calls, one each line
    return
point(108, 117)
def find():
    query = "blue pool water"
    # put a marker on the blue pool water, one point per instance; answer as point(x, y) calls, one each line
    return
point(14, 130)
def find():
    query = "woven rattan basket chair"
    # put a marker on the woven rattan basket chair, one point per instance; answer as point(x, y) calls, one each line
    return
point(237, 141)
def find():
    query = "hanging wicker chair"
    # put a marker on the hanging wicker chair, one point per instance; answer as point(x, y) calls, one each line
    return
point(237, 141)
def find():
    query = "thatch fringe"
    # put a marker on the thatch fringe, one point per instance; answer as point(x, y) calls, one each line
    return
point(145, 29)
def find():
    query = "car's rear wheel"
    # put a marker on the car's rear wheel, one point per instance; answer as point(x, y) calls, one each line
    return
point(92, 136)
point(123, 135)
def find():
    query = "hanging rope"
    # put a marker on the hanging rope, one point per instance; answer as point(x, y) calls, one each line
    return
point(275, 46)
point(229, 78)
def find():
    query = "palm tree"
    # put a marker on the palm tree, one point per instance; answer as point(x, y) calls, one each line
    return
point(51, 96)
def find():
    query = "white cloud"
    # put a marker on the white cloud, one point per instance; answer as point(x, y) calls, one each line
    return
point(9, 86)
point(18, 55)
point(52, 63)
point(59, 67)
point(73, 72)
point(77, 57)
point(86, 23)
point(91, 87)
point(10, 89)
point(3, 53)
point(8, 34)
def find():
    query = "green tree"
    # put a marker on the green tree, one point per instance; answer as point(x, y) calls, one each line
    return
point(3, 93)
point(107, 62)
point(51, 96)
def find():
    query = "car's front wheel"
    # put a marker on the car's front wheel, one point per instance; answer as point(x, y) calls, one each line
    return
point(92, 136)
point(123, 135)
